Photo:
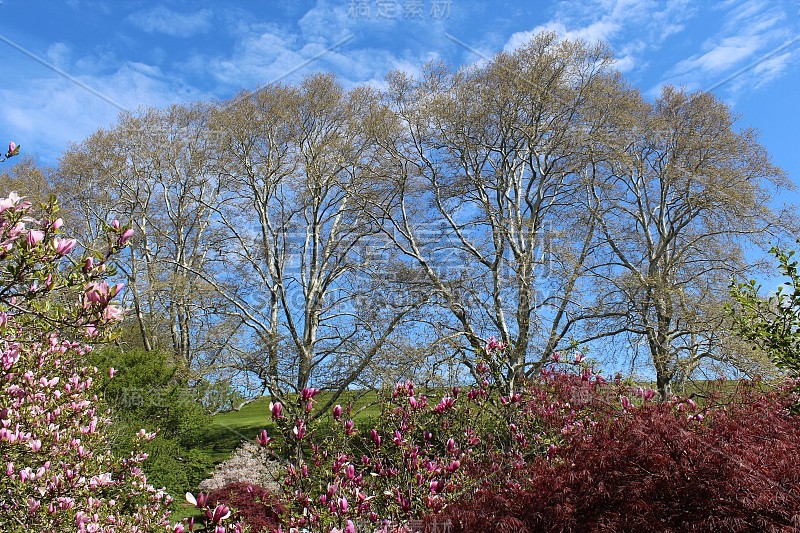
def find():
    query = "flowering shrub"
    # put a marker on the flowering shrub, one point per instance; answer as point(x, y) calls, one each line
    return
point(249, 464)
point(668, 466)
point(57, 471)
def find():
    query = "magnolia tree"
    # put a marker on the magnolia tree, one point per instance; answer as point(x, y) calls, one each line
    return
point(56, 469)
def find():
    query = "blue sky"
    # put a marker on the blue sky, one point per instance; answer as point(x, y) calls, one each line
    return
point(70, 66)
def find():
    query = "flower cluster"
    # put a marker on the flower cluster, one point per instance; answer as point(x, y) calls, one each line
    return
point(58, 473)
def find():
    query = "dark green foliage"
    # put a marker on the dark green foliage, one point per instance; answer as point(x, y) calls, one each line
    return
point(145, 393)
point(773, 323)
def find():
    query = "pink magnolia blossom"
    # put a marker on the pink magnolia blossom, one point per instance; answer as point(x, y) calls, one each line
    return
point(112, 312)
point(64, 246)
point(126, 236)
point(494, 345)
point(220, 512)
point(299, 429)
point(263, 438)
point(308, 393)
point(626, 403)
point(34, 237)
point(376, 439)
point(88, 265)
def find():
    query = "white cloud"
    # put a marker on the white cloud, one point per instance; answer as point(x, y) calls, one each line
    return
point(722, 55)
point(625, 64)
point(58, 53)
point(633, 28)
point(325, 38)
point(752, 48)
point(772, 68)
point(163, 20)
point(48, 113)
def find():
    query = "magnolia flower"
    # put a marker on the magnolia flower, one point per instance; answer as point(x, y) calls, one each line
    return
point(647, 394)
point(337, 412)
point(342, 504)
point(308, 393)
point(494, 345)
point(13, 149)
point(14, 200)
point(299, 429)
point(34, 237)
point(626, 403)
point(276, 408)
point(88, 265)
point(125, 237)
point(451, 445)
point(198, 502)
point(263, 438)
point(64, 246)
point(102, 293)
point(112, 312)
point(221, 512)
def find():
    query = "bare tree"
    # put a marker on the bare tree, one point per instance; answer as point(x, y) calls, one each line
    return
point(154, 170)
point(482, 189)
point(680, 197)
point(293, 269)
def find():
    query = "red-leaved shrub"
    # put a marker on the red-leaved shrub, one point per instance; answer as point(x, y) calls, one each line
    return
point(657, 467)
point(253, 505)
